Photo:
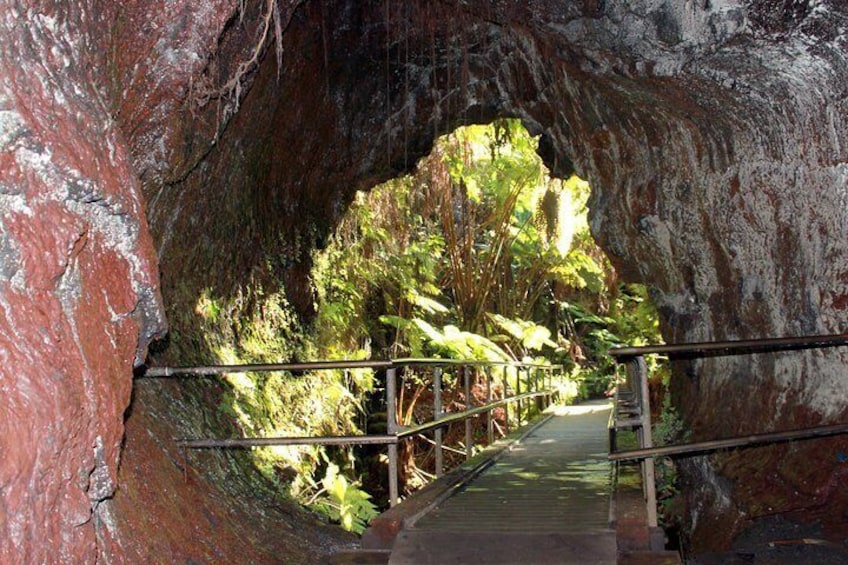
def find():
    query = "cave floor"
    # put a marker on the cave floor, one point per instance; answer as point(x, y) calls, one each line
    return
point(778, 540)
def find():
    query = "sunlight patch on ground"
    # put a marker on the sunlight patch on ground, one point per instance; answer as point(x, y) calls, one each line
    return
point(584, 408)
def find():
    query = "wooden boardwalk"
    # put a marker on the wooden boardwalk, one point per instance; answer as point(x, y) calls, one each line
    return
point(546, 500)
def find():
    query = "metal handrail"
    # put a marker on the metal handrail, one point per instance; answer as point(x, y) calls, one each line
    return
point(408, 431)
point(738, 347)
point(396, 433)
point(728, 443)
point(145, 371)
point(370, 439)
point(246, 442)
point(638, 379)
point(407, 361)
point(213, 370)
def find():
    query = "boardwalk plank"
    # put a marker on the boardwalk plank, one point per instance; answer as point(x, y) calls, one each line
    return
point(545, 501)
point(422, 547)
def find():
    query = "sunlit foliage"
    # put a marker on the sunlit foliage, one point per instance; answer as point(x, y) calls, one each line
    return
point(478, 255)
point(480, 242)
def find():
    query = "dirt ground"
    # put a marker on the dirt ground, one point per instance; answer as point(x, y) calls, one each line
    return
point(777, 540)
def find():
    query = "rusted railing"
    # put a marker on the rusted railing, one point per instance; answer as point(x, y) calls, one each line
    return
point(632, 409)
point(537, 378)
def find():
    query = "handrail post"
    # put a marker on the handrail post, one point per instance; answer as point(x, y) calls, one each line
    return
point(552, 374)
point(466, 373)
point(640, 375)
point(540, 402)
point(391, 429)
point(531, 387)
point(550, 384)
point(518, 393)
point(490, 424)
point(437, 411)
point(504, 394)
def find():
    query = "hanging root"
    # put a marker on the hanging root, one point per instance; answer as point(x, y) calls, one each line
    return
point(229, 94)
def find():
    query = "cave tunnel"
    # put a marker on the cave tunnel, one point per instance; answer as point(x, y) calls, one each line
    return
point(150, 152)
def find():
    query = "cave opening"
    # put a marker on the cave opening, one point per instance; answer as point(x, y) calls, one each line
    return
point(480, 215)
point(478, 254)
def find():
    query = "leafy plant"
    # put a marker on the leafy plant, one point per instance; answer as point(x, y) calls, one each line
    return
point(530, 335)
point(344, 502)
point(669, 429)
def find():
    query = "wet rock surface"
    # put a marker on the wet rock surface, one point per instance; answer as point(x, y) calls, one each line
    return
point(713, 134)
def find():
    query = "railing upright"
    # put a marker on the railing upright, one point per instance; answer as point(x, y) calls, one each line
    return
point(518, 393)
point(504, 395)
point(490, 422)
point(392, 428)
point(639, 371)
point(540, 402)
point(437, 413)
point(552, 393)
point(466, 377)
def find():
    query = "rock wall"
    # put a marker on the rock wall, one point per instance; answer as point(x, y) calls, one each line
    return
point(79, 297)
point(713, 134)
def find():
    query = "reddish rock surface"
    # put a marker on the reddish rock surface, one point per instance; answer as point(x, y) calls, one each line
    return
point(713, 133)
point(195, 506)
point(79, 296)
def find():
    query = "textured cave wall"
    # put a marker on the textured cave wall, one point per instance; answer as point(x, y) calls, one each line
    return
point(724, 188)
point(713, 133)
point(79, 296)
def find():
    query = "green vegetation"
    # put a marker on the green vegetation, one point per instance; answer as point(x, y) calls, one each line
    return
point(478, 255)
point(668, 430)
point(344, 502)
